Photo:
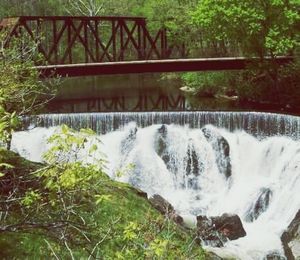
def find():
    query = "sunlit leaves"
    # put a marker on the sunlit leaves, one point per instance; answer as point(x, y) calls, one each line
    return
point(207, 83)
point(68, 172)
point(278, 44)
point(261, 27)
point(8, 122)
point(102, 198)
point(125, 170)
point(68, 145)
point(158, 247)
point(30, 198)
point(131, 231)
point(4, 166)
point(21, 89)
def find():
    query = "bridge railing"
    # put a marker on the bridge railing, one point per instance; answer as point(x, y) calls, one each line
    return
point(77, 39)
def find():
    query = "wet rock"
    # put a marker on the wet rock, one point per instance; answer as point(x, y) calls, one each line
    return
point(189, 220)
point(162, 130)
point(274, 256)
point(128, 142)
point(215, 231)
point(291, 239)
point(208, 234)
point(260, 205)
point(222, 150)
point(194, 167)
point(165, 208)
point(161, 144)
point(139, 192)
point(230, 225)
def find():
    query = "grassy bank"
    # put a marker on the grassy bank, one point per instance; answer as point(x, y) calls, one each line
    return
point(117, 223)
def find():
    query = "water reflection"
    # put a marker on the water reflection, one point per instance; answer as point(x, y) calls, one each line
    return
point(143, 92)
point(141, 102)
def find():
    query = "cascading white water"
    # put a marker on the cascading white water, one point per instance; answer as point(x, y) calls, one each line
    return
point(208, 170)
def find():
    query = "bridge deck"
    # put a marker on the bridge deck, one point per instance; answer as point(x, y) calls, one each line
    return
point(170, 65)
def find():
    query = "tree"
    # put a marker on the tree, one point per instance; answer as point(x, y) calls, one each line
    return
point(21, 88)
point(85, 7)
point(22, 91)
point(260, 28)
point(257, 28)
point(30, 7)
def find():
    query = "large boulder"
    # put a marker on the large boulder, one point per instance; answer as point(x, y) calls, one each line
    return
point(208, 234)
point(291, 239)
point(221, 148)
point(165, 208)
point(215, 231)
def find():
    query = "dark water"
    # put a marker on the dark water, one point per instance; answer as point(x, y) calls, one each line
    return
point(129, 93)
point(143, 92)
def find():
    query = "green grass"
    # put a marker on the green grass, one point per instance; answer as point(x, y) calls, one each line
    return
point(121, 225)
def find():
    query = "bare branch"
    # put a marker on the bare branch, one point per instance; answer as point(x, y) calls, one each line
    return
point(69, 249)
point(57, 258)
point(85, 7)
point(105, 236)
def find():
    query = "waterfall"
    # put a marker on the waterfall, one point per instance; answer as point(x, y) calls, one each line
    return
point(255, 123)
point(203, 163)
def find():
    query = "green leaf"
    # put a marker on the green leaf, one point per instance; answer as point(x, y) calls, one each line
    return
point(6, 165)
point(93, 148)
point(102, 198)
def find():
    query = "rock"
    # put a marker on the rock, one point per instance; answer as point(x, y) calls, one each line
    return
point(139, 192)
point(216, 231)
point(194, 167)
point(161, 204)
point(187, 89)
point(274, 256)
point(230, 225)
point(222, 150)
point(208, 234)
point(165, 208)
point(128, 142)
point(161, 144)
point(189, 221)
point(291, 239)
point(261, 204)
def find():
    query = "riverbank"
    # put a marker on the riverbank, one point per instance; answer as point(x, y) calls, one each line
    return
point(121, 224)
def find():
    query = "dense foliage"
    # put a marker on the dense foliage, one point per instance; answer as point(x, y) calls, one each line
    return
point(256, 29)
point(260, 28)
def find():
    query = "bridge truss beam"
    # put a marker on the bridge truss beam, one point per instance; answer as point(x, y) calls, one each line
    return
point(79, 39)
